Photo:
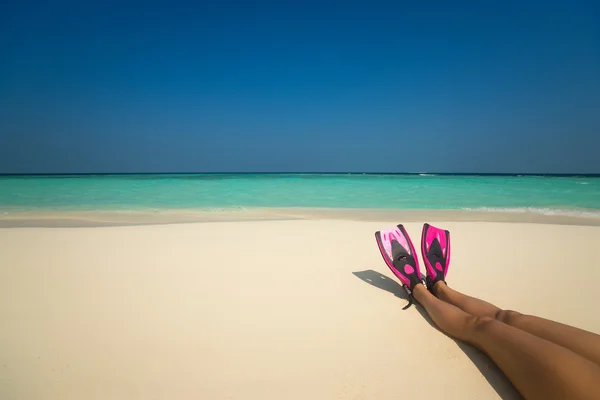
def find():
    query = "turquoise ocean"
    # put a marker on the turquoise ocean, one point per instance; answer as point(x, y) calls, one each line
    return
point(577, 195)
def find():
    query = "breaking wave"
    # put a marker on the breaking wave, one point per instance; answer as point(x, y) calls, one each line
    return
point(542, 211)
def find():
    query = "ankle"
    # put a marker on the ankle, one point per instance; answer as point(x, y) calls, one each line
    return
point(418, 290)
point(438, 288)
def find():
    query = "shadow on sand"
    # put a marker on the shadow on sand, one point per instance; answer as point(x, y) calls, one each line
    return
point(486, 366)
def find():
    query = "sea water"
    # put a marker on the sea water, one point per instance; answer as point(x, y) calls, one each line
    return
point(216, 192)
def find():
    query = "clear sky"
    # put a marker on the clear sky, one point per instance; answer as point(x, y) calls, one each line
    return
point(365, 86)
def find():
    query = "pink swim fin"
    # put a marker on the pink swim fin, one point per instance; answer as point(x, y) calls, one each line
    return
point(398, 253)
point(435, 249)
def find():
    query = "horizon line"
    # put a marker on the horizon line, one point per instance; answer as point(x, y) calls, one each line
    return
point(307, 173)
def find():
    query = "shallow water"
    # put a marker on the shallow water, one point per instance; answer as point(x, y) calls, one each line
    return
point(532, 194)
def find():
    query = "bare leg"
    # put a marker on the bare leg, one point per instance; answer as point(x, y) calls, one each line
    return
point(582, 342)
point(539, 369)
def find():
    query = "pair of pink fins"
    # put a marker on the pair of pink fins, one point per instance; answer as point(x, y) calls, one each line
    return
point(399, 254)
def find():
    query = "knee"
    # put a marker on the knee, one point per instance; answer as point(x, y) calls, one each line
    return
point(506, 316)
point(479, 323)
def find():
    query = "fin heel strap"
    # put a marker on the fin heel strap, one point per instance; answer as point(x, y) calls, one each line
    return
point(411, 298)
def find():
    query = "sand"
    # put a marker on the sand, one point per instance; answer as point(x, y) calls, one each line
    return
point(291, 309)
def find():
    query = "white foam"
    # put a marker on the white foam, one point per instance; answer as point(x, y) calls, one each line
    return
point(542, 211)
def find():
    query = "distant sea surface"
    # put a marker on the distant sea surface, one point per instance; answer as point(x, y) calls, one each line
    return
point(576, 195)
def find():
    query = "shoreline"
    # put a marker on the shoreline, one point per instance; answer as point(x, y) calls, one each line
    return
point(74, 219)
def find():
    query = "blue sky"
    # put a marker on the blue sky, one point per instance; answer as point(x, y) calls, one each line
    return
point(300, 86)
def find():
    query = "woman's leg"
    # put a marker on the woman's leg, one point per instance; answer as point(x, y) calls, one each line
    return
point(582, 342)
point(539, 369)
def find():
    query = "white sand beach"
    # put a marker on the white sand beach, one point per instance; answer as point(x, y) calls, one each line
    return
point(290, 309)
